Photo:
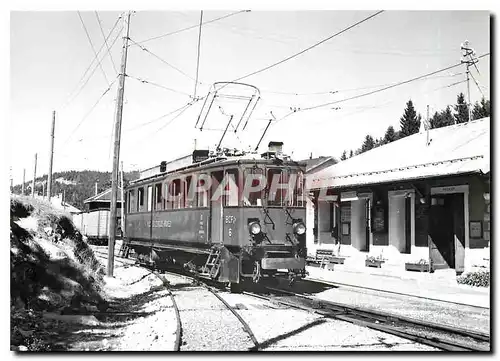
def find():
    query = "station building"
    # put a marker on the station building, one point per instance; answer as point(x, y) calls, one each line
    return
point(422, 198)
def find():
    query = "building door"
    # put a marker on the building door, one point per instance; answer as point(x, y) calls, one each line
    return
point(457, 204)
point(407, 225)
point(441, 240)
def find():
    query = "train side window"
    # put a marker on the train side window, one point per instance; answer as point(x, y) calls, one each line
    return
point(190, 196)
point(150, 197)
point(174, 194)
point(231, 189)
point(131, 201)
point(202, 195)
point(158, 197)
point(140, 198)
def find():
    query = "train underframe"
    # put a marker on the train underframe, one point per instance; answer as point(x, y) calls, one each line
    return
point(236, 266)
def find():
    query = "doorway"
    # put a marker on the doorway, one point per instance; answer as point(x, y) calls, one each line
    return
point(447, 231)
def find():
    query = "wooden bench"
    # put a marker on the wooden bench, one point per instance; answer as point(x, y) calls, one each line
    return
point(326, 256)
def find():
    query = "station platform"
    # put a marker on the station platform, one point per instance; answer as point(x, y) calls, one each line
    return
point(440, 285)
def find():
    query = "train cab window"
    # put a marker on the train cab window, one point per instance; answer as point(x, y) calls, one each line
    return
point(253, 178)
point(150, 197)
point(140, 199)
point(131, 207)
point(202, 194)
point(231, 188)
point(158, 197)
point(277, 184)
point(297, 198)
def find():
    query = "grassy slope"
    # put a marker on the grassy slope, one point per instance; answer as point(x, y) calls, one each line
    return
point(55, 272)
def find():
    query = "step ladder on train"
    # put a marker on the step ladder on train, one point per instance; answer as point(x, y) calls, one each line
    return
point(124, 250)
point(212, 266)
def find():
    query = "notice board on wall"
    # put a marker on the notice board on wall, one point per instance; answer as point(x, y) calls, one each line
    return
point(345, 213)
point(378, 219)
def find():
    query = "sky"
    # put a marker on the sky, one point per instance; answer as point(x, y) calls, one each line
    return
point(50, 52)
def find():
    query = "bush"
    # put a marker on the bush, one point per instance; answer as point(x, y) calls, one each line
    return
point(477, 279)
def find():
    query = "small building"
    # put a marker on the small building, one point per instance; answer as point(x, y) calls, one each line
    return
point(422, 197)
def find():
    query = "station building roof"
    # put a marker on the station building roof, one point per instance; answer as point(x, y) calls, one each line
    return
point(104, 196)
point(455, 149)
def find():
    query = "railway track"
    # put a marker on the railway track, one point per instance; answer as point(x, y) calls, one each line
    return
point(427, 333)
point(320, 281)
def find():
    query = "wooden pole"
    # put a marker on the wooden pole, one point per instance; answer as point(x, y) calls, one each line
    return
point(34, 177)
point(51, 156)
point(116, 153)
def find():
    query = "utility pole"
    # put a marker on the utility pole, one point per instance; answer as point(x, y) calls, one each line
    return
point(123, 201)
point(468, 60)
point(116, 153)
point(51, 156)
point(96, 188)
point(22, 187)
point(34, 177)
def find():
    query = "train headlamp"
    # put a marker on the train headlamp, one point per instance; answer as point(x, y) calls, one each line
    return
point(254, 228)
point(299, 228)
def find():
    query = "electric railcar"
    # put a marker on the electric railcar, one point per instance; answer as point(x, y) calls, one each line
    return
point(222, 218)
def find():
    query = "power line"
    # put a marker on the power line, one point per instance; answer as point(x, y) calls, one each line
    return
point(92, 46)
point(478, 87)
point(158, 85)
point(106, 42)
point(163, 61)
point(388, 87)
point(191, 27)
point(311, 47)
point(349, 89)
point(159, 118)
point(90, 111)
point(92, 73)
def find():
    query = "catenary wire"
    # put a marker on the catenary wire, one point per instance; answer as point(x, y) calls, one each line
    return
point(92, 46)
point(92, 73)
point(90, 111)
point(106, 41)
point(478, 87)
point(163, 61)
point(144, 81)
point(310, 47)
point(91, 63)
point(387, 87)
point(191, 27)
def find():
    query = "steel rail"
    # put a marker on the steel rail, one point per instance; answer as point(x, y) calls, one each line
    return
point(212, 290)
point(333, 283)
point(359, 316)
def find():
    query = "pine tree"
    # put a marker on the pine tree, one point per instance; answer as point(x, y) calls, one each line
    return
point(344, 155)
point(390, 135)
point(447, 117)
point(410, 121)
point(462, 113)
point(351, 154)
point(481, 110)
point(368, 144)
point(436, 121)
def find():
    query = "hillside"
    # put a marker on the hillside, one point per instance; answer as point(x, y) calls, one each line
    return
point(77, 185)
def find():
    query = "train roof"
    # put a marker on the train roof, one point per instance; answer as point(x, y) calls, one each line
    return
point(217, 161)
